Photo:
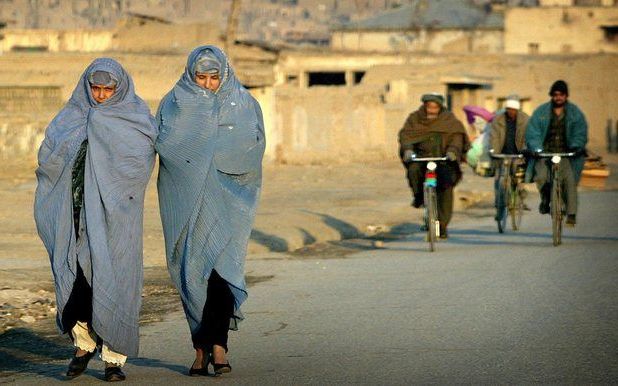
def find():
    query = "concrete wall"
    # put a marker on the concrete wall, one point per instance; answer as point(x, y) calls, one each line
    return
point(24, 114)
point(337, 123)
point(57, 40)
point(592, 81)
point(30, 99)
point(558, 30)
point(132, 35)
point(329, 124)
point(452, 41)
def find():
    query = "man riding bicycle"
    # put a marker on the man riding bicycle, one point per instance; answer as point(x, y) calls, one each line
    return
point(433, 131)
point(508, 136)
point(557, 126)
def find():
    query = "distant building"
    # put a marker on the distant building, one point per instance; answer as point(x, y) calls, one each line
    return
point(561, 29)
point(435, 26)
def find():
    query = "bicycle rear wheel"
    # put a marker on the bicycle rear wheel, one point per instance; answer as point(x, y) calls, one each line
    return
point(556, 212)
point(516, 207)
point(432, 217)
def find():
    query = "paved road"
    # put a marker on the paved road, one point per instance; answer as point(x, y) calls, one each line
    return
point(484, 308)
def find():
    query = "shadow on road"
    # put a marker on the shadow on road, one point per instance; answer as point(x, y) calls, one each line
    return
point(24, 351)
point(272, 242)
point(346, 230)
point(155, 363)
point(477, 232)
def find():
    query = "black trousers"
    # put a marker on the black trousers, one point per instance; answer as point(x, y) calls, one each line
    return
point(216, 316)
point(79, 305)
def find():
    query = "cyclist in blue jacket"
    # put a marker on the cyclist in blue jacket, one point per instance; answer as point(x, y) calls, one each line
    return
point(558, 126)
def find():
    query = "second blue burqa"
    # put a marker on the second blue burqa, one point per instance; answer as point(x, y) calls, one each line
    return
point(210, 149)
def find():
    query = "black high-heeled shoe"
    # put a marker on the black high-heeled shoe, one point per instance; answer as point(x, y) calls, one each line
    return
point(219, 368)
point(199, 372)
point(202, 371)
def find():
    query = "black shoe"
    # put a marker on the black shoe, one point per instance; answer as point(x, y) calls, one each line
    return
point(570, 220)
point(199, 372)
point(219, 368)
point(544, 207)
point(114, 374)
point(417, 202)
point(79, 364)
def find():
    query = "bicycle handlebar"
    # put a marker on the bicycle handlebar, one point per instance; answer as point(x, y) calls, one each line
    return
point(425, 159)
point(550, 155)
point(507, 156)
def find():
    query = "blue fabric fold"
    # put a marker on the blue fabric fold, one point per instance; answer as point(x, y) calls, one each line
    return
point(119, 161)
point(210, 149)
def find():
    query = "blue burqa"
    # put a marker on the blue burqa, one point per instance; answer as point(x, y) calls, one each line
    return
point(210, 150)
point(119, 161)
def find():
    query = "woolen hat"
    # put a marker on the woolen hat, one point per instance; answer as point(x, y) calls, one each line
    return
point(433, 97)
point(559, 85)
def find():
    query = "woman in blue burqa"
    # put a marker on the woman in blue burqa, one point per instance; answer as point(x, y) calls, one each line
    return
point(94, 165)
point(210, 147)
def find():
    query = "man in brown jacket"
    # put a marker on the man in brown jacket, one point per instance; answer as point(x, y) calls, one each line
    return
point(508, 136)
point(433, 131)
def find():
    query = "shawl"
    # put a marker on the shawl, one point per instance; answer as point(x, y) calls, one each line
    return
point(119, 160)
point(450, 131)
point(210, 149)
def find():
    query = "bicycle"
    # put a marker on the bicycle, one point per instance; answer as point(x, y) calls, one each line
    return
point(430, 199)
point(509, 193)
point(556, 203)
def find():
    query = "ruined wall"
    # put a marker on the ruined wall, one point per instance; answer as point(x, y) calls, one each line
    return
point(25, 111)
point(591, 78)
point(556, 30)
point(337, 123)
point(487, 41)
point(135, 37)
point(329, 124)
point(57, 40)
point(129, 36)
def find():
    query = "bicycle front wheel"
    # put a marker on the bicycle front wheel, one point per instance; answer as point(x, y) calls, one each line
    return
point(432, 217)
point(501, 210)
point(516, 208)
point(556, 212)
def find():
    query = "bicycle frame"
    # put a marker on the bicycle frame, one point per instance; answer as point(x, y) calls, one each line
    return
point(430, 198)
point(511, 201)
point(556, 194)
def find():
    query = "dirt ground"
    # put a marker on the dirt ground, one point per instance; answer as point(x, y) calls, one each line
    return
point(328, 211)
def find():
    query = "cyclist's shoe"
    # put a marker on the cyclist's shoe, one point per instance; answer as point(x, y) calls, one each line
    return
point(417, 201)
point(570, 220)
point(526, 207)
point(443, 233)
point(544, 207)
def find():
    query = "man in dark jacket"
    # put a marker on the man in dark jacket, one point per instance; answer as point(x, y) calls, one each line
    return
point(555, 127)
point(433, 131)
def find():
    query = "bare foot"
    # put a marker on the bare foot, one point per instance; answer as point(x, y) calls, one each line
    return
point(218, 354)
point(199, 359)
